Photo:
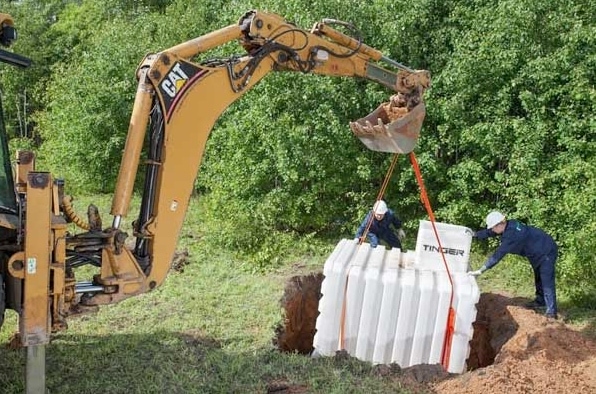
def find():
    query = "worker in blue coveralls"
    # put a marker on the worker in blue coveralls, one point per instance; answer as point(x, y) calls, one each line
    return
point(380, 229)
point(534, 244)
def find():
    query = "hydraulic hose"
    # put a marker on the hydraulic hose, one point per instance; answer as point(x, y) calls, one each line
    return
point(71, 214)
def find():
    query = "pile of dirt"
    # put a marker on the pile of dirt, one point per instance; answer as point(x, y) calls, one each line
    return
point(531, 354)
point(514, 350)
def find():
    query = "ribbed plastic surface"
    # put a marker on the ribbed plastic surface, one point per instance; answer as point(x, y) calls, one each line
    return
point(388, 313)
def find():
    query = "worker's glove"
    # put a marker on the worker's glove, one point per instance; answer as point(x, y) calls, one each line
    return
point(475, 273)
point(401, 234)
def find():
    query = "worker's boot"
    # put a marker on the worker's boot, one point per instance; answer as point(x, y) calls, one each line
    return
point(535, 304)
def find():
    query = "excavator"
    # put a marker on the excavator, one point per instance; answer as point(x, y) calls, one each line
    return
point(178, 100)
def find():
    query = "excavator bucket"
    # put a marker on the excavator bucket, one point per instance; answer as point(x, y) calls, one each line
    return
point(393, 127)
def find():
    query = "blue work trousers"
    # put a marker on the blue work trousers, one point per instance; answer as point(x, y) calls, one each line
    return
point(388, 236)
point(544, 280)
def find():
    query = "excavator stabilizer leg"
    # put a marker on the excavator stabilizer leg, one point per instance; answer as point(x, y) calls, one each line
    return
point(35, 370)
point(390, 128)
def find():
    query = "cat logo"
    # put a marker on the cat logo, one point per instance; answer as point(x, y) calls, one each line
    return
point(174, 81)
point(180, 78)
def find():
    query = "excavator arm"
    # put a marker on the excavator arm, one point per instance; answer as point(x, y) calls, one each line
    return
point(178, 101)
point(186, 99)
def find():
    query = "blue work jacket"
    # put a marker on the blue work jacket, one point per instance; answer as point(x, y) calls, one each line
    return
point(520, 239)
point(379, 227)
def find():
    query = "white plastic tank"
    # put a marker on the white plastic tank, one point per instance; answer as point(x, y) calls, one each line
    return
point(388, 313)
point(335, 271)
point(403, 330)
point(455, 240)
point(381, 309)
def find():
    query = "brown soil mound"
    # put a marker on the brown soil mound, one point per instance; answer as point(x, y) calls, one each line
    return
point(532, 354)
point(514, 350)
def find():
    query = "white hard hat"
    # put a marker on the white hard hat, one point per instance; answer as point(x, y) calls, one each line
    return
point(494, 218)
point(380, 207)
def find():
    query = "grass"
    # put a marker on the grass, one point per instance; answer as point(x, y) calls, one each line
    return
point(207, 329)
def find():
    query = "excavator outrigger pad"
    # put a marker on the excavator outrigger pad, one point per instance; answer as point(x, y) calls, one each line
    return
point(393, 127)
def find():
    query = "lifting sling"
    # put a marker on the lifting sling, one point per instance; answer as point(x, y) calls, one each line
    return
point(450, 327)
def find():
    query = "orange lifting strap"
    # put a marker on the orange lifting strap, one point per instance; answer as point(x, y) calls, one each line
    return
point(380, 196)
point(450, 328)
point(368, 224)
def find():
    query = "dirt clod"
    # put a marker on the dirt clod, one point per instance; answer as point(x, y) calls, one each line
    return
point(283, 387)
point(180, 260)
point(425, 373)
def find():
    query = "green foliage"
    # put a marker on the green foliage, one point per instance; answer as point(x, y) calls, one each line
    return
point(513, 107)
point(274, 154)
point(22, 90)
point(290, 168)
point(259, 247)
point(89, 102)
point(510, 115)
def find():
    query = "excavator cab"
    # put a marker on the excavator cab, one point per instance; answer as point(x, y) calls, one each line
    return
point(9, 221)
point(9, 209)
point(10, 212)
point(8, 201)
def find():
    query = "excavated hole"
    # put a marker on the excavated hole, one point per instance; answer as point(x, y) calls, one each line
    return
point(300, 304)
point(300, 310)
